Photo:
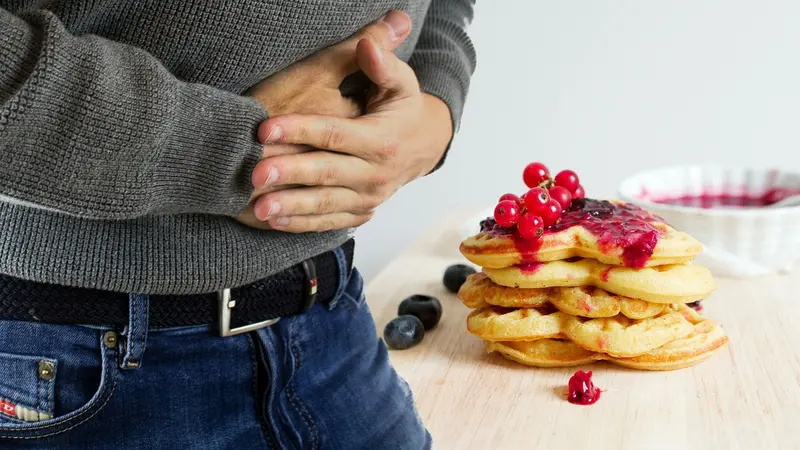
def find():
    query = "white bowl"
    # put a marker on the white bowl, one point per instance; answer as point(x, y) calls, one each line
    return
point(738, 241)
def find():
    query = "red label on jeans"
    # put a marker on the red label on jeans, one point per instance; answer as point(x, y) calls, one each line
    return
point(8, 408)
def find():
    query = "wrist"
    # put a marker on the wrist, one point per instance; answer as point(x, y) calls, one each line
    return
point(440, 121)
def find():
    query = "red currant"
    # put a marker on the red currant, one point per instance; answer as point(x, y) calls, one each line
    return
point(535, 199)
point(530, 226)
point(551, 212)
point(506, 213)
point(513, 198)
point(578, 192)
point(567, 179)
point(534, 174)
point(561, 195)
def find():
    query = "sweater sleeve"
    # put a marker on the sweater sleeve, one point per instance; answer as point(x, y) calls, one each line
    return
point(102, 130)
point(444, 58)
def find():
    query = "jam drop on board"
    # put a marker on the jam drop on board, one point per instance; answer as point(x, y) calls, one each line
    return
point(582, 390)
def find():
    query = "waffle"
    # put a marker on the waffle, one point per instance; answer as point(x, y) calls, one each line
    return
point(526, 324)
point(479, 292)
point(585, 239)
point(681, 283)
point(622, 337)
point(706, 338)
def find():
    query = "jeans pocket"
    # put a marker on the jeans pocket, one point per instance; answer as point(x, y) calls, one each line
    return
point(30, 389)
point(353, 296)
point(27, 388)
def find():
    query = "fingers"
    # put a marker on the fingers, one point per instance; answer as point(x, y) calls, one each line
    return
point(385, 70)
point(317, 168)
point(317, 200)
point(280, 149)
point(327, 222)
point(388, 33)
point(353, 137)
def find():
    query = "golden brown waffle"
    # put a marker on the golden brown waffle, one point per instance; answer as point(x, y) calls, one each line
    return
point(622, 337)
point(526, 324)
point(681, 283)
point(706, 338)
point(479, 291)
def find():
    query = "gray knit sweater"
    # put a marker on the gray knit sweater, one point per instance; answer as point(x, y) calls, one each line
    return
point(126, 145)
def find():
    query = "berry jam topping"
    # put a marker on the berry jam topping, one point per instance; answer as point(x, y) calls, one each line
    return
point(530, 268)
point(605, 274)
point(697, 306)
point(710, 201)
point(581, 389)
point(623, 226)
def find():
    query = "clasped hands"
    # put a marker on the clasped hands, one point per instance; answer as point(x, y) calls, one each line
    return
point(327, 163)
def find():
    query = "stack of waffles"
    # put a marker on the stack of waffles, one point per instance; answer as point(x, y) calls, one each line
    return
point(611, 282)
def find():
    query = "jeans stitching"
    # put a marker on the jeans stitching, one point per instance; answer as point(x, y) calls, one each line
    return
point(256, 395)
point(100, 408)
point(51, 392)
point(294, 398)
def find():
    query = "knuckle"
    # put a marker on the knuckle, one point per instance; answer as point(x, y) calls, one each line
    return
point(332, 136)
point(326, 203)
point(387, 150)
point(327, 175)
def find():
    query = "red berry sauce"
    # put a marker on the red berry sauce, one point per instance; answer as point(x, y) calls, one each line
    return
point(623, 226)
point(721, 200)
point(581, 389)
point(530, 268)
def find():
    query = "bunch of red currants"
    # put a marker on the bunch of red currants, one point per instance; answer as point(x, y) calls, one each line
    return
point(542, 205)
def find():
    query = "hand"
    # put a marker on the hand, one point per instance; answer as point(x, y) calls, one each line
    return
point(364, 160)
point(311, 86)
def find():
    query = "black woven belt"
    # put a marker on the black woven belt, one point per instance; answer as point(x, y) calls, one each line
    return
point(286, 293)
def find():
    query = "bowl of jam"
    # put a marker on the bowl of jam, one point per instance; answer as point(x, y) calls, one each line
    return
point(733, 212)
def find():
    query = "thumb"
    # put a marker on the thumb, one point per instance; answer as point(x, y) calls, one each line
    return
point(385, 70)
point(388, 33)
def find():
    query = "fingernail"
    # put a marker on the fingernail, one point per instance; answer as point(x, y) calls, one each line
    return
point(272, 176)
point(275, 134)
point(398, 22)
point(282, 222)
point(274, 208)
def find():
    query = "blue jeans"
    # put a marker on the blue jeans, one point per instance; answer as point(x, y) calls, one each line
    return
point(320, 380)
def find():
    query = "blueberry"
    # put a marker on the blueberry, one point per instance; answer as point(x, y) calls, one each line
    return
point(403, 332)
point(424, 307)
point(456, 275)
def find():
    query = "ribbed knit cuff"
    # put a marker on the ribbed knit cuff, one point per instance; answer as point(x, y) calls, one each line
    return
point(208, 161)
point(446, 82)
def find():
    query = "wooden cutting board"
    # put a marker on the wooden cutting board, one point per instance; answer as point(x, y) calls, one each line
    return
point(746, 397)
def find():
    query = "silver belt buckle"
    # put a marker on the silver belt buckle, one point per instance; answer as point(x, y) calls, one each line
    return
point(226, 305)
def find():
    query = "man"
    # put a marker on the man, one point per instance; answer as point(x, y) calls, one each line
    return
point(178, 186)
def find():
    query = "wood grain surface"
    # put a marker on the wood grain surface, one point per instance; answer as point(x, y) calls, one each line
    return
point(746, 397)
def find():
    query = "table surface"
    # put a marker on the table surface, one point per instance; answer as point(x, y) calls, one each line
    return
point(747, 396)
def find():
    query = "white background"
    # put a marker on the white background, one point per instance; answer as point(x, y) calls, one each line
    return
point(608, 88)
